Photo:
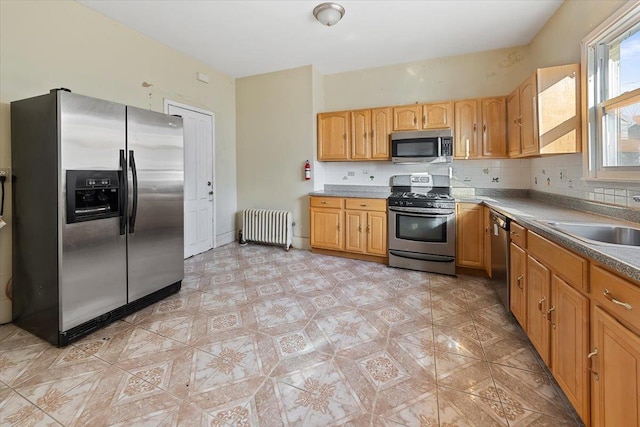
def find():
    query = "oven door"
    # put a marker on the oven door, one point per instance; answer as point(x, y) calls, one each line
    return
point(419, 231)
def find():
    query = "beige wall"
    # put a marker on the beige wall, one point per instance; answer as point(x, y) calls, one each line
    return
point(490, 73)
point(49, 44)
point(558, 42)
point(275, 135)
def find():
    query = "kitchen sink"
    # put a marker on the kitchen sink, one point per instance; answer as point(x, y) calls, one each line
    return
point(598, 233)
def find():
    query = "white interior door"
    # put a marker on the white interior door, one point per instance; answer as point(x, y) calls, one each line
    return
point(199, 229)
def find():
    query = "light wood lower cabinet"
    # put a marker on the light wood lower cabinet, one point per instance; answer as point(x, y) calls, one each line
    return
point(569, 321)
point(364, 233)
point(469, 235)
point(327, 229)
point(518, 284)
point(615, 379)
point(538, 302)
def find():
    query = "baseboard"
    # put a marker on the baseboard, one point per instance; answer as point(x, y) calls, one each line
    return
point(351, 255)
point(301, 243)
point(226, 238)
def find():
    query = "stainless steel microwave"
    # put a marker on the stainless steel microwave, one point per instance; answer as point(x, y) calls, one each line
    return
point(422, 146)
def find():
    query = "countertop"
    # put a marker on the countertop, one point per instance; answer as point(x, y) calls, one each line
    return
point(526, 211)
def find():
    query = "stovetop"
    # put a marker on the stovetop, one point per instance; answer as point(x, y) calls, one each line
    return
point(416, 195)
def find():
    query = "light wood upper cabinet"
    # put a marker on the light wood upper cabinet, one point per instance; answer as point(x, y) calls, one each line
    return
point(569, 321)
point(437, 116)
point(528, 113)
point(381, 123)
point(334, 136)
point(469, 235)
point(467, 117)
point(407, 117)
point(548, 120)
point(514, 148)
point(480, 128)
point(615, 379)
point(494, 137)
point(360, 134)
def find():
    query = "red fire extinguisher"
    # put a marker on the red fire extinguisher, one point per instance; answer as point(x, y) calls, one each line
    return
point(307, 171)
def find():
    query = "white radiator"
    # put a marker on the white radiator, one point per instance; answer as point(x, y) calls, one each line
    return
point(267, 226)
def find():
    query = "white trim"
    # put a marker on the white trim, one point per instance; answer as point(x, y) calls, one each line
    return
point(592, 169)
point(169, 102)
point(226, 238)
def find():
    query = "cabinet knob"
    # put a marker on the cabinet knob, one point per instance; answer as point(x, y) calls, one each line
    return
point(540, 303)
point(590, 368)
point(415, 121)
point(323, 202)
point(519, 279)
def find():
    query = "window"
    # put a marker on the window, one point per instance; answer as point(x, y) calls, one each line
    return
point(612, 64)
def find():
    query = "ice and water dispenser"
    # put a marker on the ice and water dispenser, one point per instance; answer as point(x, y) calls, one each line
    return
point(92, 195)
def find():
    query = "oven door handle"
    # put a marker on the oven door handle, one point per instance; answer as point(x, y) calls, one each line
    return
point(422, 257)
point(422, 212)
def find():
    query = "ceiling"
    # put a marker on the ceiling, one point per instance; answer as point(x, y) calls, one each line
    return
point(243, 38)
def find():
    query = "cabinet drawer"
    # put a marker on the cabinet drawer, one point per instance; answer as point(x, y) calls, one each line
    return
point(518, 235)
point(567, 265)
point(327, 202)
point(607, 287)
point(367, 204)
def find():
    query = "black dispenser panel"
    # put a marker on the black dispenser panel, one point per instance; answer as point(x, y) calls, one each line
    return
point(92, 195)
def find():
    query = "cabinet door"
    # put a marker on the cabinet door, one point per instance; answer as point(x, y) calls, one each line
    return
point(570, 343)
point(377, 233)
point(615, 391)
point(494, 131)
point(407, 117)
point(466, 129)
point(559, 115)
point(469, 235)
point(486, 220)
point(355, 232)
point(528, 129)
point(333, 136)
point(381, 122)
point(518, 284)
point(326, 228)
point(513, 123)
point(360, 125)
point(437, 116)
point(538, 295)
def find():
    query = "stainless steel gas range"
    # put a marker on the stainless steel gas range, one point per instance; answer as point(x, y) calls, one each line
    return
point(422, 223)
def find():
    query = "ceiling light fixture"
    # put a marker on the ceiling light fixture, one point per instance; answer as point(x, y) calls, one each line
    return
point(328, 13)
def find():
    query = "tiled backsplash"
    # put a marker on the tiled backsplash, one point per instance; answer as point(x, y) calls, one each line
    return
point(563, 175)
point(466, 173)
point(555, 174)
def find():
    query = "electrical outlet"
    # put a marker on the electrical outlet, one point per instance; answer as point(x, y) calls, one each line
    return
point(563, 175)
point(365, 172)
point(4, 172)
point(351, 174)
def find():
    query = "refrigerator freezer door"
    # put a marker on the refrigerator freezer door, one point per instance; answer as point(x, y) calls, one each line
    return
point(156, 218)
point(93, 264)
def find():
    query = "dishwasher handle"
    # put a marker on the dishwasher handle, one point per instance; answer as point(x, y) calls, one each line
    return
point(499, 220)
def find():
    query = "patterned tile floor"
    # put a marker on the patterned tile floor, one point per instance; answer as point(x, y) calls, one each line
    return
point(262, 337)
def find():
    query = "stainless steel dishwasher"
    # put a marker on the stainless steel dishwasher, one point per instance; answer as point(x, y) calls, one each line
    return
point(500, 256)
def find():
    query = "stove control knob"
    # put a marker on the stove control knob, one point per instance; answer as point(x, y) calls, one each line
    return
point(438, 205)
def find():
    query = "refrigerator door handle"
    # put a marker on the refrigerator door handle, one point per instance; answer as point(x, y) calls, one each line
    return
point(123, 193)
point(134, 209)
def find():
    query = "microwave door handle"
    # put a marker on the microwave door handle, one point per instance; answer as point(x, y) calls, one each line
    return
point(439, 146)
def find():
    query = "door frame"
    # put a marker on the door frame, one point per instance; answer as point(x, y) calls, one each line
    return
point(167, 103)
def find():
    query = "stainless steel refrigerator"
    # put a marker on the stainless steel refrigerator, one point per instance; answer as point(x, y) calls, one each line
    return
point(98, 212)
